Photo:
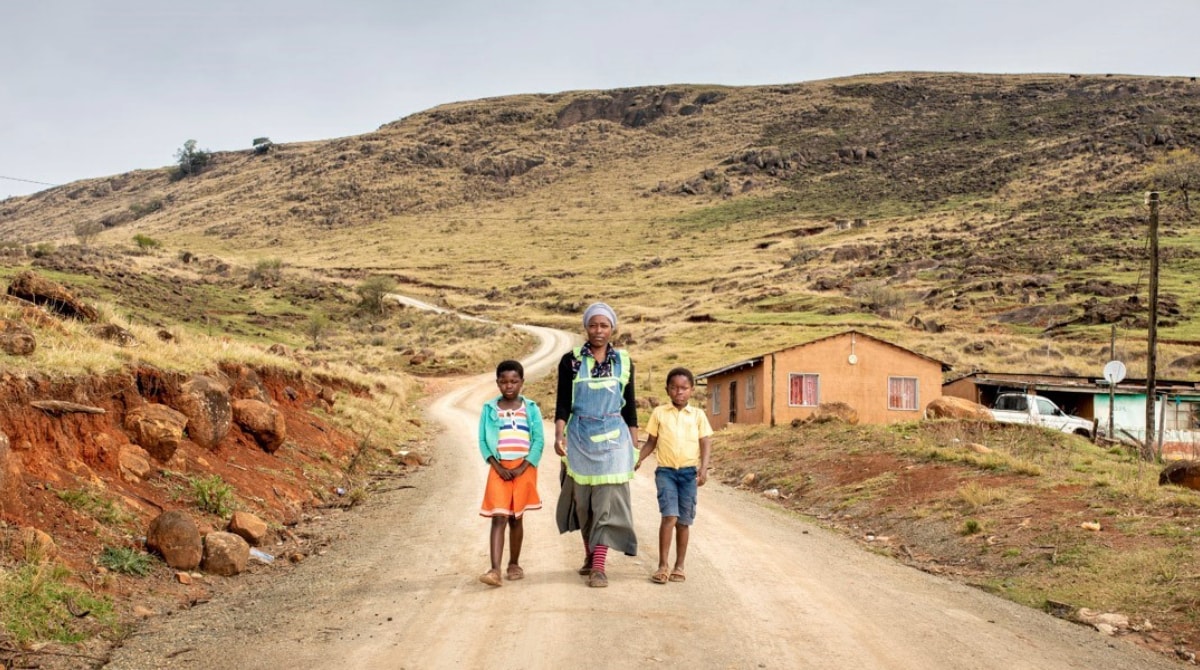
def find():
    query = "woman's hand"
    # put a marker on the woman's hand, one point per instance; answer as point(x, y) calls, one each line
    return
point(560, 446)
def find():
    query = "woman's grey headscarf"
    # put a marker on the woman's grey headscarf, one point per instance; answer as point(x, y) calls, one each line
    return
point(603, 310)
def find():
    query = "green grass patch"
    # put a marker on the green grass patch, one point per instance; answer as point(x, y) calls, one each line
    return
point(38, 604)
point(91, 503)
point(212, 494)
point(127, 561)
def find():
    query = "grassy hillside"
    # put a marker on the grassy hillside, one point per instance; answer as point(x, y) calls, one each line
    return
point(723, 222)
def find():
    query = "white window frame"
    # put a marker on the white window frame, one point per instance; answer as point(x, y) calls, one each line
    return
point(916, 382)
point(793, 375)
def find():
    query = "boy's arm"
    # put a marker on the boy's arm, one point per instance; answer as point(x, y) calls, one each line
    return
point(647, 449)
point(705, 451)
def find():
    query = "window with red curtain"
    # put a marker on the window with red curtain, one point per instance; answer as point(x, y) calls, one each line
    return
point(902, 393)
point(803, 390)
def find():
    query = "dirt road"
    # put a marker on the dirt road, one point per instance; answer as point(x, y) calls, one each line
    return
point(764, 590)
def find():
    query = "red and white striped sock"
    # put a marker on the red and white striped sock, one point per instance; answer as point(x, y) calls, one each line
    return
point(598, 557)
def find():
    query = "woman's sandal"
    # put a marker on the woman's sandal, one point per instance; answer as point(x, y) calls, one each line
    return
point(677, 575)
point(491, 578)
point(514, 573)
point(660, 577)
point(597, 579)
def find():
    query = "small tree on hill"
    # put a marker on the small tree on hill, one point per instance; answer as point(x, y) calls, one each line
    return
point(87, 231)
point(372, 292)
point(1178, 170)
point(145, 243)
point(191, 160)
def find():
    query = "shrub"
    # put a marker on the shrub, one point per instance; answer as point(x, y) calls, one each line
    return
point(267, 272)
point(316, 327)
point(127, 560)
point(213, 495)
point(191, 160)
point(146, 243)
point(372, 292)
point(140, 209)
point(86, 231)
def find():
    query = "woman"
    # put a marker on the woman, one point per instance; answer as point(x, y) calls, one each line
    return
point(595, 428)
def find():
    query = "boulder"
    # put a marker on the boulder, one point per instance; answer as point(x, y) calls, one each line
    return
point(834, 411)
point(115, 334)
point(950, 407)
point(247, 385)
point(206, 404)
point(41, 291)
point(1181, 473)
point(263, 422)
point(176, 538)
point(16, 339)
point(249, 527)
point(225, 554)
point(133, 463)
point(156, 428)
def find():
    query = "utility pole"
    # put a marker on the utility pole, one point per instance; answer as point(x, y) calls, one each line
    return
point(1152, 333)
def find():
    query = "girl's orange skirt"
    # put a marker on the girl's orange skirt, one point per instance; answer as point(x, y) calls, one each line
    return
point(511, 498)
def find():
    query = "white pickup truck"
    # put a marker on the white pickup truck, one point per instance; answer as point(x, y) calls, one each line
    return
point(1038, 411)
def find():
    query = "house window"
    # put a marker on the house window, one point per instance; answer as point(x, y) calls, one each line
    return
point(803, 390)
point(716, 399)
point(1180, 415)
point(750, 392)
point(902, 393)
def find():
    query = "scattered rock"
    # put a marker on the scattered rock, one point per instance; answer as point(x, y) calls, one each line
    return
point(41, 291)
point(979, 448)
point(1090, 525)
point(834, 411)
point(116, 334)
point(772, 494)
point(950, 407)
point(1108, 623)
point(133, 463)
point(1181, 473)
point(183, 577)
point(16, 339)
point(156, 428)
point(143, 612)
point(225, 554)
point(749, 478)
point(206, 403)
point(175, 537)
point(263, 422)
point(249, 527)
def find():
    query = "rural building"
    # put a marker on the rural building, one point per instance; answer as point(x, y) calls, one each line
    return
point(883, 382)
point(1177, 408)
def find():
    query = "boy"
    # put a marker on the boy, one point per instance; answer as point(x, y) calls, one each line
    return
point(511, 441)
point(683, 437)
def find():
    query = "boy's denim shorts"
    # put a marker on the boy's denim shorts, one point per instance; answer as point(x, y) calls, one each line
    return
point(677, 493)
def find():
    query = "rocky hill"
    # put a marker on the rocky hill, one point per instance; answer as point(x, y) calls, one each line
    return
point(948, 209)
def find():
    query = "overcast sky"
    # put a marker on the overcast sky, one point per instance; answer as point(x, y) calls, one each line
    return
point(90, 88)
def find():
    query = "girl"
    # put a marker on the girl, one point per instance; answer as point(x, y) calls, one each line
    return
point(511, 440)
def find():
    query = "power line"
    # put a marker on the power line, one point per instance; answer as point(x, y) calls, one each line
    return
point(28, 181)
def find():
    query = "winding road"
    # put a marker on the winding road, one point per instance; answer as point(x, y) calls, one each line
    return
point(764, 590)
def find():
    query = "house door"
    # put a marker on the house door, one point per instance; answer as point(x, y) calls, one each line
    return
point(733, 402)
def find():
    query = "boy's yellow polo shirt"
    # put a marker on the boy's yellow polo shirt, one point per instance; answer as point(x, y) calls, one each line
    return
point(678, 432)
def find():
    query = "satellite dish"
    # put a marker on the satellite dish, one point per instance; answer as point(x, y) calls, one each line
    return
point(1114, 371)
